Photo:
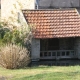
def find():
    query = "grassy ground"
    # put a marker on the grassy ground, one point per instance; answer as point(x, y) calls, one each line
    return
point(42, 73)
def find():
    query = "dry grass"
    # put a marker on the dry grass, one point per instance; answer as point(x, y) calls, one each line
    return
point(13, 56)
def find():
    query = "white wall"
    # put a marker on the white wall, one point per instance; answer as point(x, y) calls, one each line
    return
point(11, 8)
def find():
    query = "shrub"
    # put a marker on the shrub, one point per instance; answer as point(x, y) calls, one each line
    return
point(13, 56)
point(16, 34)
point(18, 37)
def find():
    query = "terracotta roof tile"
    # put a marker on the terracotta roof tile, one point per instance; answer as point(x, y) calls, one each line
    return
point(54, 23)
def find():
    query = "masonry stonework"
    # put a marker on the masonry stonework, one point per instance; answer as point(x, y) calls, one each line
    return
point(35, 52)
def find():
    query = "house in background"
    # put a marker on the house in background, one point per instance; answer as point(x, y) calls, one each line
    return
point(56, 22)
point(48, 4)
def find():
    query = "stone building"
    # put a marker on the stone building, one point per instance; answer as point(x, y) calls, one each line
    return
point(57, 33)
point(56, 22)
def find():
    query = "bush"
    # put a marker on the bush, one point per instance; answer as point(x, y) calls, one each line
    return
point(13, 56)
point(18, 37)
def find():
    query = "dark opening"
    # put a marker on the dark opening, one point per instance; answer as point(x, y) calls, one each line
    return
point(49, 44)
point(58, 53)
point(67, 53)
point(53, 54)
point(62, 48)
point(63, 53)
point(53, 44)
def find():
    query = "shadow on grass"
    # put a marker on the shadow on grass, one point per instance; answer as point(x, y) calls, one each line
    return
point(53, 76)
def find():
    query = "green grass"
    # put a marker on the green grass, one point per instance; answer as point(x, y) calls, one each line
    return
point(42, 73)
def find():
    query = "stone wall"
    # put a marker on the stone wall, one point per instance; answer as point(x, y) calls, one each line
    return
point(35, 52)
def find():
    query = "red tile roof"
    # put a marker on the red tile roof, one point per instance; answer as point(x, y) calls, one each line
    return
point(54, 23)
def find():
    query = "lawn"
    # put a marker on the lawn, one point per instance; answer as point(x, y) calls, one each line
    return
point(42, 73)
